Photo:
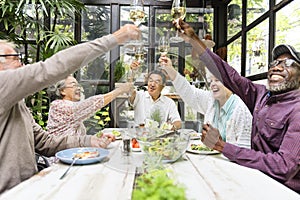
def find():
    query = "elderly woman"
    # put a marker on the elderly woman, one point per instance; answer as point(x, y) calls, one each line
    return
point(68, 111)
point(220, 106)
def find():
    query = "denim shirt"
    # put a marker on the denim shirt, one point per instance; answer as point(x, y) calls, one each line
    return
point(275, 137)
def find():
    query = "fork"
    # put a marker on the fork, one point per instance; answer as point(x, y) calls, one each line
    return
point(74, 160)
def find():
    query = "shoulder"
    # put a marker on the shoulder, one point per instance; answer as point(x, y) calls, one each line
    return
point(59, 103)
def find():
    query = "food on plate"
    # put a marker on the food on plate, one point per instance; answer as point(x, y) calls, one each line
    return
point(116, 133)
point(99, 134)
point(195, 134)
point(200, 147)
point(166, 126)
point(87, 154)
point(134, 143)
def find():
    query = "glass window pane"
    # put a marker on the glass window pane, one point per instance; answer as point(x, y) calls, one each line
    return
point(255, 9)
point(234, 53)
point(234, 18)
point(288, 25)
point(257, 49)
point(95, 22)
point(30, 14)
point(96, 70)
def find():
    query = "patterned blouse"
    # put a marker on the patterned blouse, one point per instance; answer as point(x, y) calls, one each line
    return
point(66, 117)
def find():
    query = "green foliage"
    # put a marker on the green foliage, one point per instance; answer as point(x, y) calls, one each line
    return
point(157, 185)
point(156, 116)
point(99, 121)
point(23, 20)
point(119, 70)
point(38, 103)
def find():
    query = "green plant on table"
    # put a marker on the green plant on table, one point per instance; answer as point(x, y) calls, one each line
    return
point(156, 116)
point(157, 185)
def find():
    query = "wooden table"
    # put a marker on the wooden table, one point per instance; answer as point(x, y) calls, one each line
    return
point(206, 177)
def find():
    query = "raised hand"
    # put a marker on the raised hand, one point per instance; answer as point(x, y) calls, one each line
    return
point(127, 32)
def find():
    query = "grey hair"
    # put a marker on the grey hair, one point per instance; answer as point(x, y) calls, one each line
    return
point(54, 91)
point(4, 44)
point(159, 72)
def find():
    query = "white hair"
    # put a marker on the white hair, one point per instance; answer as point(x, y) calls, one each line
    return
point(3, 45)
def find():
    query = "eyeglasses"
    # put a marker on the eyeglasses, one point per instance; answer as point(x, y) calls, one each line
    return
point(157, 82)
point(284, 63)
point(18, 55)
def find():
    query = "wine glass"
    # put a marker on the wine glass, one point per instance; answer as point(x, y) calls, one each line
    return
point(137, 13)
point(178, 11)
point(163, 46)
point(139, 57)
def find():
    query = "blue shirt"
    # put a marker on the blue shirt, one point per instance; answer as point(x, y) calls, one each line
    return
point(223, 114)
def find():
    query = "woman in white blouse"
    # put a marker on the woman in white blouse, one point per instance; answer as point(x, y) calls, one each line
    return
point(221, 108)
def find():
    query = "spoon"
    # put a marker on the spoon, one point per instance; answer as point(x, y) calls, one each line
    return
point(74, 160)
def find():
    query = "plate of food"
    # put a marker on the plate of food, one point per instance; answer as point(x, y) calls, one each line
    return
point(199, 148)
point(115, 131)
point(84, 155)
point(195, 136)
point(135, 145)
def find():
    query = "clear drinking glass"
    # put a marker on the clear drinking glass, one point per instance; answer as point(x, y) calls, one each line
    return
point(164, 45)
point(178, 11)
point(137, 12)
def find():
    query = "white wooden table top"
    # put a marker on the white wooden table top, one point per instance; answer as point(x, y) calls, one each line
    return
point(206, 177)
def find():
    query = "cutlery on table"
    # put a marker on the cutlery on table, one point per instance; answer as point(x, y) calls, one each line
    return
point(73, 162)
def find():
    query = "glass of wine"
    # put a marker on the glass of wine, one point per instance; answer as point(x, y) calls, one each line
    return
point(137, 12)
point(164, 45)
point(136, 15)
point(178, 11)
point(139, 60)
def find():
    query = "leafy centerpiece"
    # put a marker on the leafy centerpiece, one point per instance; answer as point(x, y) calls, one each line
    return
point(157, 184)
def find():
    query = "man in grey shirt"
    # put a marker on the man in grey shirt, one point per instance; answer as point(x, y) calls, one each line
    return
point(20, 136)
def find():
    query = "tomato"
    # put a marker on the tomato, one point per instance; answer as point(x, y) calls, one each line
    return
point(133, 141)
point(136, 145)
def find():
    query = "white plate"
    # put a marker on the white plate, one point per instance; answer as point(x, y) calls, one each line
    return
point(189, 150)
point(67, 155)
point(195, 136)
point(136, 149)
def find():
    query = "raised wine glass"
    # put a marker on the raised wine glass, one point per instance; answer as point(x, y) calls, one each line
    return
point(137, 12)
point(163, 46)
point(139, 57)
point(136, 15)
point(178, 11)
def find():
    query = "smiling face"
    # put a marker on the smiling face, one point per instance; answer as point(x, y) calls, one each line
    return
point(220, 92)
point(283, 78)
point(72, 90)
point(155, 85)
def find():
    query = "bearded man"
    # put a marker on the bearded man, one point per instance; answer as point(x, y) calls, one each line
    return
point(275, 137)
